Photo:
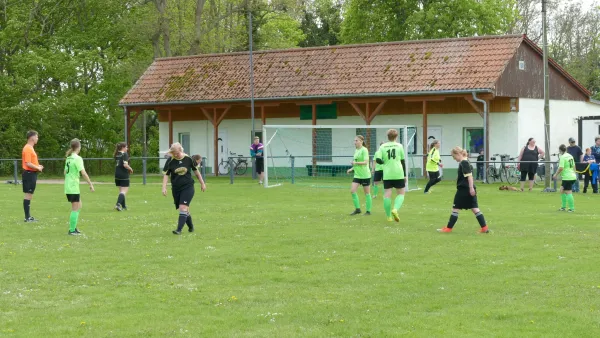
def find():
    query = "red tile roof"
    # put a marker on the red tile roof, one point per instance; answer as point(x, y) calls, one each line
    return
point(395, 68)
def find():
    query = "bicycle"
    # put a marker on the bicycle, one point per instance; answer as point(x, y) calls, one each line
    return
point(240, 166)
point(541, 172)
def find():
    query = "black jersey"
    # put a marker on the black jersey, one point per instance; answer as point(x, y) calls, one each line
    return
point(180, 171)
point(121, 173)
point(465, 169)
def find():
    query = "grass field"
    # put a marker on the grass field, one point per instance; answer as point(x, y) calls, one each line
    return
point(289, 261)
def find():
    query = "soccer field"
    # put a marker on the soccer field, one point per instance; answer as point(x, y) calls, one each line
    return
point(289, 261)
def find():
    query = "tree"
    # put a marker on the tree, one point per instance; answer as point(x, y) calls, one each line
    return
point(321, 23)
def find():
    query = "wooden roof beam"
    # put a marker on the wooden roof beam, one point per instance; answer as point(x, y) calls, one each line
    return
point(472, 103)
point(358, 110)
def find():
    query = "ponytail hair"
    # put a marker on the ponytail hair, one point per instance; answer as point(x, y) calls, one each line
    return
point(362, 139)
point(458, 150)
point(119, 147)
point(433, 143)
point(75, 144)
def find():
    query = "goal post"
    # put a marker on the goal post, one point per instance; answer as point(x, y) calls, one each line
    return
point(320, 155)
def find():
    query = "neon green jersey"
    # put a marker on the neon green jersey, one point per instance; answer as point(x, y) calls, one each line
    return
point(568, 164)
point(378, 167)
point(433, 160)
point(361, 170)
point(73, 167)
point(392, 153)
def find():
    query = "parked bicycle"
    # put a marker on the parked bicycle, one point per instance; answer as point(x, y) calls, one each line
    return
point(240, 165)
point(503, 172)
point(540, 176)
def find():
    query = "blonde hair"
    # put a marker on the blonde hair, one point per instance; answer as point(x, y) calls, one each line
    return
point(433, 143)
point(175, 147)
point(392, 134)
point(362, 139)
point(458, 150)
point(75, 144)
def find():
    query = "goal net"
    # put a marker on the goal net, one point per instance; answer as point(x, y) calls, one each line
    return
point(321, 155)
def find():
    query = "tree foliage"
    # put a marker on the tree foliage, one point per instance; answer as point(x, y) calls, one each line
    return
point(64, 65)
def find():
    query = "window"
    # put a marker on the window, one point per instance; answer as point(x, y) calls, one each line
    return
point(473, 140)
point(411, 147)
point(323, 145)
point(324, 112)
point(184, 139)
point(370, 139)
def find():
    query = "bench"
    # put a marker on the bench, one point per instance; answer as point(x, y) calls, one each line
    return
point(331, 169)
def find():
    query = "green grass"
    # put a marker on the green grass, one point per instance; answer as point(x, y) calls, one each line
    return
point(289, 261)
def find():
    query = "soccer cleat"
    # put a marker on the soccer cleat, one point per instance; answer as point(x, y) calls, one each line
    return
point(562, 209)
point(260, 182)
point(390, 219)
point(176, 232)
point(368, 213)
point(191, 229)
point(484, 230)
point(30, 219)
point(355, 212)
point(74, 233)
point(445, 229)
point(427, 192)
point(118, 207)
point(570, 210)
point(77, 231)
point(395, 215)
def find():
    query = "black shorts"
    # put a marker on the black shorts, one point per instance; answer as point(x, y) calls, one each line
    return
point(73, 198)
point(184, 196)
point(29, 179)
point(433, 175)
point(378, 177)
point(119, 182)
point(260, 165)
point(398, 184)
point(464, 200)
point(568, 185)
point(527, 174)
point(365, 182)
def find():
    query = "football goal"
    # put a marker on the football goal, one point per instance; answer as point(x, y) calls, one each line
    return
point(321, 155)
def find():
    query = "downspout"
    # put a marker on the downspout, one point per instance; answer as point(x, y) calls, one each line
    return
point(485, 134)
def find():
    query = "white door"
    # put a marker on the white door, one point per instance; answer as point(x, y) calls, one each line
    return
point(434, 133)
point(589, 130)
point(223, 150)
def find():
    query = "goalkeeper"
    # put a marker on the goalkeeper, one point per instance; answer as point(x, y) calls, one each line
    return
point(391, 156)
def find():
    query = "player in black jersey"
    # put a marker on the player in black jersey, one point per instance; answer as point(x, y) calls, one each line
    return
point(180, 166)
point(122, 171)
point(466, 193)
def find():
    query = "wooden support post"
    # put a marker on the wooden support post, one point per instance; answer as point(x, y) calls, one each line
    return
point(314, 140)
point(128, 128)
point(170, 128)
point(425, 150)
point(377, 111)
point(216, 121)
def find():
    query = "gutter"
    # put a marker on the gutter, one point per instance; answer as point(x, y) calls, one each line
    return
point(315, 97)
point(486, 151)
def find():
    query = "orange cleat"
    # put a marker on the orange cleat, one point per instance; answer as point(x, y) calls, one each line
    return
point(444, 229)
point(484, 230)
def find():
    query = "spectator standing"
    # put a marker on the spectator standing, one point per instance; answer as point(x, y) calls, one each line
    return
point(574, 150)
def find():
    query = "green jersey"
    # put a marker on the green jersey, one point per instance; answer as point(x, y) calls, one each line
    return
point(361, 170)
point(392, 153)
point(433, 160)
point(378, 167)
point(73, 167)
point(567, 163)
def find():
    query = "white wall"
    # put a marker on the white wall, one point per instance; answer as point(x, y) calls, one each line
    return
point(503, 132)
point(563, 122)
point(590, 129)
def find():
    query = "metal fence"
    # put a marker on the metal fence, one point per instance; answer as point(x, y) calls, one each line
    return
point(143, 167)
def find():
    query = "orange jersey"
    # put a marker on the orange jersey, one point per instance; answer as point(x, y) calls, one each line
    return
point(30, 156)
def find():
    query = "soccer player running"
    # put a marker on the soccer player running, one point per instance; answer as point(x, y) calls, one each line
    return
point(256, 151)
point(566, 169)
point(466, 193)
point(433, 165)
point(31, 168)
point(394, 168)
point(179, 166)
point(73, 170)
point(377, 172)
point(362, 175)
point(122, 171)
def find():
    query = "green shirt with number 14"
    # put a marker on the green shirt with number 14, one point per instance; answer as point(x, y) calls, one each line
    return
point(73, 167)
point(392, 153)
